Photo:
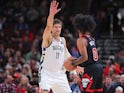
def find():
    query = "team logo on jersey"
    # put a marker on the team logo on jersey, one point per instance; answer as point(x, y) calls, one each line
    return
point(61, 42)
point(57, 47)
point(86, 83)
point(92, 43)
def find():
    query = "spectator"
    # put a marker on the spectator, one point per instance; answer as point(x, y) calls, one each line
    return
point(32, 14)
point(122, 81)
point(1, 61)
point(119, 90)
point(43, 8)
point(9, 65)
point(1, 76)
point(120, 56)
point(19, 57)
point(16, 39)
point(34, 81)
point(107, 85)
point(21, 25)
point(34, 64)
point(8, 86)
point(16, 80)
point(16, 66)
point(2, 23)
point(26, 71)
point(111, 68)
point(75, 86)
point(24, 86)
point(33, 52)
point(35, 90)
point(25, 44)
point(29, 35)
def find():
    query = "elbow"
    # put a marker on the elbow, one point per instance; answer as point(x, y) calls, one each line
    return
point(84, 58)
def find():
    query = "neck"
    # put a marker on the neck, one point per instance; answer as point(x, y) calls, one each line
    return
point(56, 37)
point(83, 34)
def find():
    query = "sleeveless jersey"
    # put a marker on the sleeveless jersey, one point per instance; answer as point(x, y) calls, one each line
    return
point(53, 56)
point(91, 51)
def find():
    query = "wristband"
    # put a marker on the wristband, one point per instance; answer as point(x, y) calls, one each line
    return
point(73, 63)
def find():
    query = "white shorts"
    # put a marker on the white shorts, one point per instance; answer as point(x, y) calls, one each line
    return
point(57, 81)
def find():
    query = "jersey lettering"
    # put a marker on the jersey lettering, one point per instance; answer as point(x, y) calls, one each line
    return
point(95, 54)
point(57, 55)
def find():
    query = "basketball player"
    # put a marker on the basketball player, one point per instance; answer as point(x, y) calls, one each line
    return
point(52, 74)
point(91, 81)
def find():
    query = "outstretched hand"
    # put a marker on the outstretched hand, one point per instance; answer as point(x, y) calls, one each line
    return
point(54, 7)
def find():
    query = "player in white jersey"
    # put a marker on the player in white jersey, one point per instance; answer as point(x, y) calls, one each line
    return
point(51, 71)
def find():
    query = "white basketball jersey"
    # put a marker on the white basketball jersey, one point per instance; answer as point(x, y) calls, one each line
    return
point(53, 56)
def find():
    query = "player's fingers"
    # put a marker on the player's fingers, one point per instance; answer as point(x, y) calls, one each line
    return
point(57, 4)
point(73, 58)
point(58, 10)
point(54, 2)
point(80, 70)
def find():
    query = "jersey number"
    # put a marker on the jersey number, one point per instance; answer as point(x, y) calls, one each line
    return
point(95, 54)
point(57, 55)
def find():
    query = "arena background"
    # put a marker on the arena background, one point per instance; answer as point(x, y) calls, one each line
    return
point(21, 26)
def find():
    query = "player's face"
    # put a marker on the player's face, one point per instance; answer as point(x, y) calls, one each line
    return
point(56, 29)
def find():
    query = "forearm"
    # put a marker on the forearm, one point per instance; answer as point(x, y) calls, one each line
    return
point(50, 20)
point(49, 26)
point(52, 12)
point(79, 61)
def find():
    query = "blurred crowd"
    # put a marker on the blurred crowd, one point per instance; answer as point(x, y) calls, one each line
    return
point(22, 23)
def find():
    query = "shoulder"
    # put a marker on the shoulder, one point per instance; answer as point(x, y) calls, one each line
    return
point(82, 40)
point(63, 40)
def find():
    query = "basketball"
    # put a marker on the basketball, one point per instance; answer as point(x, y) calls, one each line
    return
point(67, 64)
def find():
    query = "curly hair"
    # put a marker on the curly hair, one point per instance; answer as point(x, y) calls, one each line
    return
point(84, 23)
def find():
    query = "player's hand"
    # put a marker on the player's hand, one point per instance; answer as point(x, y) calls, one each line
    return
point(67, 64)
point(79, 70)
point(77, 80)
point(54, 7)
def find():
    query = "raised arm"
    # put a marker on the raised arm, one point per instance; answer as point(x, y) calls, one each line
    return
point(47, 38)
